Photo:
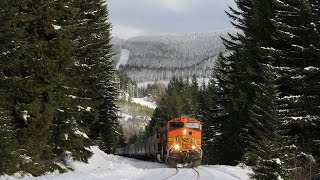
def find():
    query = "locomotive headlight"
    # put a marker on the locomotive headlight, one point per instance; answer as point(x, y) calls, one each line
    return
point(184, 132)
point(176, 147)
point(193, 147)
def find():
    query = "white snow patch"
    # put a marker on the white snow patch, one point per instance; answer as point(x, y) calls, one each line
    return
point(123, 58)
point(296, 118)
point(145, 102)
point(56, 27)
point(25, 116)
point(125, 116)
point(80, 108)
point(72, 96)
point(88, 109)
point(278, 161)
point(166, 82)
point(311, 68)
point(66, 136)
point(78, 132)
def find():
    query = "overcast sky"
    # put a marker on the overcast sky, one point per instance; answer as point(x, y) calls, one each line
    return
point(137, 17)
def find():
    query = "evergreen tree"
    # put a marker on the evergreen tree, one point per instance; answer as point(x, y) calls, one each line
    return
point(177, 101)
point(237, 88)
point(212, 102)
point(193, 97)
point(8, 145)
point(94, 73)
point(251, 114)
point(298, 61)
point(34, 68)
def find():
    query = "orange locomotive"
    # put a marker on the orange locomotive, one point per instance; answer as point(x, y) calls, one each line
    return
point(177, 143)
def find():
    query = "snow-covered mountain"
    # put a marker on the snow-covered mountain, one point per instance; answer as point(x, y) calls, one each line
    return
point(159, 57)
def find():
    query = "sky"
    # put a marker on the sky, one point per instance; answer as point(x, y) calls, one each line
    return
point(139, 17)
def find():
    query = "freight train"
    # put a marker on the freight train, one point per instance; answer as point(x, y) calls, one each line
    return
point(177, 144)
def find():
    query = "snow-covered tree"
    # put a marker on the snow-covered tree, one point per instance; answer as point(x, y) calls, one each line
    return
point(94, 73)
point(297, 61)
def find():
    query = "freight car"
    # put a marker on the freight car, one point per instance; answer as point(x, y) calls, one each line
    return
point(178, 143)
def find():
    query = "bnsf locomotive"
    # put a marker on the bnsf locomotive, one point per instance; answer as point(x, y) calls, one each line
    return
point(178, 143)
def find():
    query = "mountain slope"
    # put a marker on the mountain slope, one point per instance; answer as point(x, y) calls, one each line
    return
point(159, 57)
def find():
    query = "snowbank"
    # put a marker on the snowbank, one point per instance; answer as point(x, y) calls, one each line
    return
point(102, 166)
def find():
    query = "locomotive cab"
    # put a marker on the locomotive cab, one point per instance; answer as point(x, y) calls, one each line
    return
point(184, 142)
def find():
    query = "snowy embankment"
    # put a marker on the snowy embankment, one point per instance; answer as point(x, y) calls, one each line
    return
point(103, 166)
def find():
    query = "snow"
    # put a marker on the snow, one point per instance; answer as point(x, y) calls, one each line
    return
point(72, 96)
point(88, 109)
point(78, 132)
point(123, 58)
point(103, 166)
point(25, 116)
point(56, 27)
point(166, 82)
point(146, 83)
point(278, 161)
point(125, 116)
point(297, 46)
point(145, 102)
point(311, 68)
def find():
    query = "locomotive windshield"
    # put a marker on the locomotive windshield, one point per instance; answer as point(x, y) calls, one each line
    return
point(175, 125)
point(193, 125)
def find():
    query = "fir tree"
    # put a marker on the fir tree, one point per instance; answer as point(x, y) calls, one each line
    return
point(212, 102)
point(298, 81)
point(175, 103)
point(8, 145)
point(68, 134)
point(251, 109)
point(9, 153)
point(95, 72)
point(32, 75)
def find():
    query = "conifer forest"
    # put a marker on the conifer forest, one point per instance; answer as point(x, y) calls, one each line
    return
point(260, 107)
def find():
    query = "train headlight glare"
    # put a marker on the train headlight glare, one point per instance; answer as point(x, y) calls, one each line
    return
point(176, 147)
point(193, 147)
point(184, 132)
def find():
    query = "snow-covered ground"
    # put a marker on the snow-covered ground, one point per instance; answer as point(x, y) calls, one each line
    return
point(103, 166)
point(145, 102)
point(123, 58)
point(201, 81)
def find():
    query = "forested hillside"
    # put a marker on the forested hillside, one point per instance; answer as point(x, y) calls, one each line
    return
point(160, 57)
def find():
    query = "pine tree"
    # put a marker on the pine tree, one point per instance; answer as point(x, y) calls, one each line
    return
point(251, 114)
point(95, 72)
point(212, 109)
point(178, 101)
point(193, 97)
point(298, 82)
point(8, 145)
point(9, 154)
point(32, 74)
point(237, 88)
point(69, 137)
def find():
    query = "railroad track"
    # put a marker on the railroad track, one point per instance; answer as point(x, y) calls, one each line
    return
point(177, 171)
point(197, 174)
point(195, 177)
